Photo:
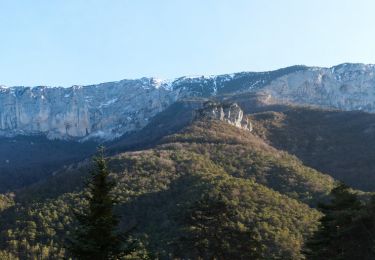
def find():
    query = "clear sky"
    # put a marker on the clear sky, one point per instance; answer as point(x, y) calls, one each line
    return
point(66, 42)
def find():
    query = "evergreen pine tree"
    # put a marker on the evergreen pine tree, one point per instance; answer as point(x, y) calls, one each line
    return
point(96, 237)
point(345, 230)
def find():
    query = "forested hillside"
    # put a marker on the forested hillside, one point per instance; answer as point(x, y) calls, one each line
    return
point(335, 142)
point(28, 159)
point(273, 193)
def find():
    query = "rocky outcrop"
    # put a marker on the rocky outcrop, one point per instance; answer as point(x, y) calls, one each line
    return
point(230, 113)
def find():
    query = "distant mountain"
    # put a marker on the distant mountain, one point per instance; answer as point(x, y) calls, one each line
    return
point(109, 110)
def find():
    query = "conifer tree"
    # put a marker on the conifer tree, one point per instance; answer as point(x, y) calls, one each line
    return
point(345, 230)
point(97, 237)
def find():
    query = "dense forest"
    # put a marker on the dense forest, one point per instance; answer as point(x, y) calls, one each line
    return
point(207, 191)
point(331, 141)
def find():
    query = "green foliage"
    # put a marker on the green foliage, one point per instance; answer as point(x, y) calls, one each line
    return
point(210, 231)
point(29, 159)
point(4, 255)
point(281, 222)
point(96, 236)
point(338, 143)
point(6, 201)
point(244, 155)
point(346, 230)
point(270, 192)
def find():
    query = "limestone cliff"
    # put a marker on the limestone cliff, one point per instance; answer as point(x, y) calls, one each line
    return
point(104, 111)
point(344, 87)
point(112, 109)
point(230, 113)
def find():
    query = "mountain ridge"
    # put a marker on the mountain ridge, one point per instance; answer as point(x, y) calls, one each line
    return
point(109, 110)
point(162, 81)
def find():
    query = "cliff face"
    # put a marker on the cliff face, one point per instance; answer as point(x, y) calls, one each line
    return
point(104, 111)
point(229, 113)
point(109, 110)
point(345, 87)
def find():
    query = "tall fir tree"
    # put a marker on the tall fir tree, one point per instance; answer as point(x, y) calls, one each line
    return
point(97, 237)
point(346, 229)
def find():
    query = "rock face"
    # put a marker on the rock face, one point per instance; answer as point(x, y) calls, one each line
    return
point(229, 113)
point(109, 110)
point(104, 111)
point(344, 87)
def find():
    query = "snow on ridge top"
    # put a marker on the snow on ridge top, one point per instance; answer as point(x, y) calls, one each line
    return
point(352, 66)
point(199, 77)
point(4, 89)
point(162, 83)
point(32, 88)
point(167, 84)
point(157, 81)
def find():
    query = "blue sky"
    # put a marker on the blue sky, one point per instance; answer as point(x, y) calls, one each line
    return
point(61, 43)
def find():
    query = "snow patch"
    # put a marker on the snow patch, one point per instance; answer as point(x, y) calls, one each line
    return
point(108, 103)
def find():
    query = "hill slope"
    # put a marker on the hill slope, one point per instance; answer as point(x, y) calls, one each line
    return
point(334, 142)
point(271, 189)
point(25, 160)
